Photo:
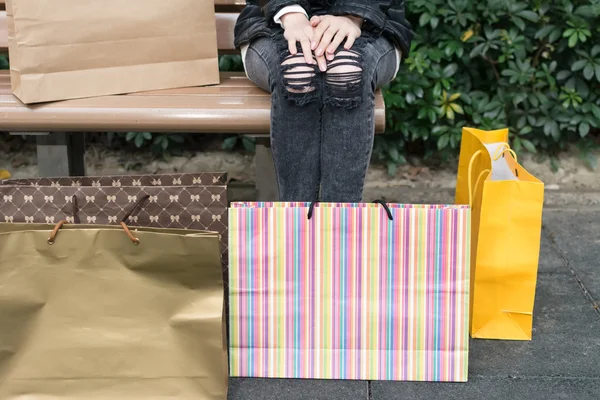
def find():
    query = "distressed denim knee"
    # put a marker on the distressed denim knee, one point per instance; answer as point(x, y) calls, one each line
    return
point(344, 80)
point(340, 86)
point(299, 79)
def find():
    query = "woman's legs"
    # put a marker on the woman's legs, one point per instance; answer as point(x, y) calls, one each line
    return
point(295, 118)
point(348, 123)
point(322, 125)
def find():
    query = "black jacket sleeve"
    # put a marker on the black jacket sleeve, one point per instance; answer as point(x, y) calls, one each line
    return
point(274, 6)
point(382, 18)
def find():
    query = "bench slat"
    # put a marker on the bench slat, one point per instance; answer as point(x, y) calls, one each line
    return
point(234, 106)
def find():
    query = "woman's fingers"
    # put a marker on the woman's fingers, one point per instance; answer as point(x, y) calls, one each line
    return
point(335, 43)
point(318, 33)
point(292, 47)
point(305, 43)
point(322, 63)
point(325, 41)
point(350, 41)
point(316, 20)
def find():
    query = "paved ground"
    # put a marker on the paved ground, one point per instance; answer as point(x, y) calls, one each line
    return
point(562, 361)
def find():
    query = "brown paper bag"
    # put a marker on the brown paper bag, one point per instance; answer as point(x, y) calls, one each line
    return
point(182, 201)
point(91, 315)
point(65, 49)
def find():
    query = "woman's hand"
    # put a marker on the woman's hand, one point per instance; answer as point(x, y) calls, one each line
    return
point(330, 31)
point(297, 28)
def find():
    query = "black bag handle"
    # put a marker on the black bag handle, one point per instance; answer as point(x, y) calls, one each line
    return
point(311, 209)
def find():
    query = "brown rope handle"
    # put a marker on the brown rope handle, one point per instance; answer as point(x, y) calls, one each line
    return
point(75, 210)
point(52, 237)
point(135, 206)
point(135, 240)
point(123, 224)
point(54, 233)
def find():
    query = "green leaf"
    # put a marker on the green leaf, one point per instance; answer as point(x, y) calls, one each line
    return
point(584, 11)
point(443, 142)
point(139, 140)
point(554, 36)
point(176, 138)
point(393, 152)
point(229, 143)
point(457, 108)
point(516, 145)
point(450, 70)
point(518, 22)
point(528, 145)
point(596, 111)
point(432, 115)
point(454, 97)
point(526, 130)
point(578, 65)
point(573, 40)
point(248, 143)
point(164, 143)
point(225, 63)
point(584, 129)
point(597, 69)
point(591, 161)
point(588, 72)
point(130, 136)
point(554, 164)
point(562, 75)
point(437, 90)
point(147, 135)
point(555, 131)
point(425, 18)
point(392, 168)
point(545, 31)
point(434, 22)
point(529, 15)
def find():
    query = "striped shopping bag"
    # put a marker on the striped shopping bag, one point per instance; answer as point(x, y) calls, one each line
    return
point(349, 291)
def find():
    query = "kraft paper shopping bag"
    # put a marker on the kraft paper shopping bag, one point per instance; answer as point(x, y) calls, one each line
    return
point(65, 49)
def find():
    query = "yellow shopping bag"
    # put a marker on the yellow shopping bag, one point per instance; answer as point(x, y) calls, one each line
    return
point(506, 204)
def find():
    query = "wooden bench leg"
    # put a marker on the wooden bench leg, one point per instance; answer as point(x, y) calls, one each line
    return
point(266, 180)
point(61, 154)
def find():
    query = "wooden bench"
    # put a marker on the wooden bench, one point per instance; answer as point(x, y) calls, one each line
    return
point(236, 106)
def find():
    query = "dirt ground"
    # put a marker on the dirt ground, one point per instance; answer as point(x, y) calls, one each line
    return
point(572, 175)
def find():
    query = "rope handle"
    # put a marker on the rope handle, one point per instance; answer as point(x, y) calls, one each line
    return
point(503, 149)
point(470, 177)
point(54, 233)
point(135, 240)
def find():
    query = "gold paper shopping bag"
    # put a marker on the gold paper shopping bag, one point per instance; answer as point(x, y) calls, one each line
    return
point(507, 204)
point(65, 49)
point(86, 313)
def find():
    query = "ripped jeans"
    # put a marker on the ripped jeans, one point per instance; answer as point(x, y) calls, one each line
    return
point(322, 123)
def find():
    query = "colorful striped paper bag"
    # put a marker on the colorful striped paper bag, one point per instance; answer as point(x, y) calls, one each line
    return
point(349, 293)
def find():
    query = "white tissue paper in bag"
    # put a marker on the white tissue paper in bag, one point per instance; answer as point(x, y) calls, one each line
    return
point(500, 169)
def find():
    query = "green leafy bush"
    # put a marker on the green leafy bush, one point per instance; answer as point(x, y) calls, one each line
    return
point(530, 65)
